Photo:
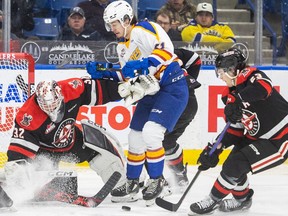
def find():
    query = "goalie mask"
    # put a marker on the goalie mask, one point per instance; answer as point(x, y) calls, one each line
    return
point(230, 62)
point(117, 10)
point(50, 99)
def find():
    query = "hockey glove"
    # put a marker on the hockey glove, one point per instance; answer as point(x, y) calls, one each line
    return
point(134, 68)
point(131, 91)
point(208, 161)
point(98, 70)
point(150, 84)
point(233, 108)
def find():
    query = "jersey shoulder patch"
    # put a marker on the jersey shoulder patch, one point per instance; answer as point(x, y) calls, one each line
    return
point(72, 88)
point(30, 116)
point(245, 74)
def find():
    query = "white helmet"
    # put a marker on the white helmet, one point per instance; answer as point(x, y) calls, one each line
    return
point(50, 99)
point(117, 10)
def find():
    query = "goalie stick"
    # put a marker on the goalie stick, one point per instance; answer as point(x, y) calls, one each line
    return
point(174, 206)
point(23, 85)
point(95, 200)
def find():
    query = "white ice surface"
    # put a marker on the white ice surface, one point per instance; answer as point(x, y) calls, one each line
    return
point(270, 197)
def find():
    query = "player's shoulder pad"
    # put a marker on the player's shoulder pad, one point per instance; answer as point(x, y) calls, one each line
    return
point(30, 116)
point(146, 25)
point(245, 74)
point(71, 88)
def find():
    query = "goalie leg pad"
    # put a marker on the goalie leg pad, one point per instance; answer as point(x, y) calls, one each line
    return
point(111, 156)
point(105, 166)
point(19, 173)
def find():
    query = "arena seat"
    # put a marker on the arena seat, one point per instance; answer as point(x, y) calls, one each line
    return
point(282, 49)
point(45, 28)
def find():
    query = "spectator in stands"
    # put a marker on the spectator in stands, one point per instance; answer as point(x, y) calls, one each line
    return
point(21, 16)
point(181, 12)
point(94, 16)
point(12, 36)
point(76, 29)
point(164, 20)
point(205, 29)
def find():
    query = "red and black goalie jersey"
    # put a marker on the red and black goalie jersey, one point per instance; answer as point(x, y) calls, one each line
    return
point(34, 130)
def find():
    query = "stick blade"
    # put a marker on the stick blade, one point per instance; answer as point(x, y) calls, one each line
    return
point(98, 198)
point(166, 204)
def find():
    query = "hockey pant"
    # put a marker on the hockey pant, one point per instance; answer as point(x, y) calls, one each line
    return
point(173, 151)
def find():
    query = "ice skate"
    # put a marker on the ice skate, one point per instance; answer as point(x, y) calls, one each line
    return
point(153, 190)
point(181, 178)
point(127, 192)
point(167, 190)
point(205, 206)
point(233, 204)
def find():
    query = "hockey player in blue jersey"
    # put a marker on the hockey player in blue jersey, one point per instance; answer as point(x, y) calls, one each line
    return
point(160, 91)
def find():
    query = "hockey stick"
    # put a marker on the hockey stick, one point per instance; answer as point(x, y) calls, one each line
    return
point(95, 200)
point(23, 85)
point(174, 206)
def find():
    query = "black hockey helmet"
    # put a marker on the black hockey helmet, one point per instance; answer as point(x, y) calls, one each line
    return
point(231, 58)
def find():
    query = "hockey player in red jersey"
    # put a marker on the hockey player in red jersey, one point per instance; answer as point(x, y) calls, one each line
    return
point(45, 128)
point(258, 131)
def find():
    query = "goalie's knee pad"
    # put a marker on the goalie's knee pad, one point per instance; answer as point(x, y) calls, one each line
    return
point(111, 156)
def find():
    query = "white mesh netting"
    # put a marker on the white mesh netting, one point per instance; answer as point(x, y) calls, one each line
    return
point(11, 95)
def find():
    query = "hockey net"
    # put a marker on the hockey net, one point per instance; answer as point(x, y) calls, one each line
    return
point(13, 93)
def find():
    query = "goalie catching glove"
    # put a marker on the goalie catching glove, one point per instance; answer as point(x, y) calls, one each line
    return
point(136, 88)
